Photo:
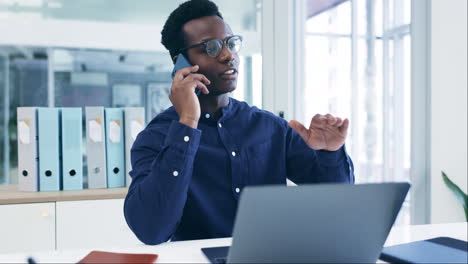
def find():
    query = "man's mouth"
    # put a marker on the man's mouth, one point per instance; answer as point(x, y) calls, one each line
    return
point(229, 74)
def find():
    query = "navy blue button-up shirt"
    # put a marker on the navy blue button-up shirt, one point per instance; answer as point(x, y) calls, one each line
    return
point(186, 182)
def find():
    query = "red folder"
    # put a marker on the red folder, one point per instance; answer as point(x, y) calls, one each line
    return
point(110, 257)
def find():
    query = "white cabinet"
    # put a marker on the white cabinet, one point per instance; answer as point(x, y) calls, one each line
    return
point(93, 224)
point(27, 227)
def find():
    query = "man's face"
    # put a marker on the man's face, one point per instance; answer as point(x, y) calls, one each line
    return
point(205, 28)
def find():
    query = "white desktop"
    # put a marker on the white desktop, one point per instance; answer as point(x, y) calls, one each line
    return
point(189, 251)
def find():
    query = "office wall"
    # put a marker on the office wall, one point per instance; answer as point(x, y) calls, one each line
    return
point(448, 106)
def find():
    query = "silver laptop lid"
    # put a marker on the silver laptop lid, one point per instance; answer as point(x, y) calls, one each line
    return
point(315, 223)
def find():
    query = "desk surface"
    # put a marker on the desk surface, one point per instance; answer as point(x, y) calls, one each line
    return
point(189, 251)
point(9, 194)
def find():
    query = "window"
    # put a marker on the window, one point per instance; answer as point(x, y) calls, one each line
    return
point(357, 65)
point(73, 63)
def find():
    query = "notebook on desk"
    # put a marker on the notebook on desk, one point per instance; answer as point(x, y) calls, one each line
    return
point(111, 257)
point(436, 250)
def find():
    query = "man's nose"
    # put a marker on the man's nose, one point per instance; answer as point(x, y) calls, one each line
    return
point(225, 55)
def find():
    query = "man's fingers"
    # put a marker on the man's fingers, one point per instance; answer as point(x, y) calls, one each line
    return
point(182, 73)
point(300, 129)
point(195, 77)
point(318, 121)
point(202, 87)
point(339, 122)
point(322, 121)
point(205, 80)
point(200, 77)
point(344, 127)
point(331, 120)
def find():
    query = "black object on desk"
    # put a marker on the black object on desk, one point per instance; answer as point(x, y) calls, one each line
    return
point(216, 255)
point(435, 250)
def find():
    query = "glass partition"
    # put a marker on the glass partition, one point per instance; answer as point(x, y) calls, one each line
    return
point(88, 56)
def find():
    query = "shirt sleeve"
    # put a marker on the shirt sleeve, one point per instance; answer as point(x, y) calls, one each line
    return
point(162, 165)
point(306, 165)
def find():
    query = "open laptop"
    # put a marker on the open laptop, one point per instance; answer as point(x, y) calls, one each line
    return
point(332, 223)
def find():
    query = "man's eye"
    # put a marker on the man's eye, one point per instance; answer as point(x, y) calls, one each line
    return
point(212, 46)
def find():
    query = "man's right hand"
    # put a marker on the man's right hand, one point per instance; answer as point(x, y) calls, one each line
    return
point(183, 95)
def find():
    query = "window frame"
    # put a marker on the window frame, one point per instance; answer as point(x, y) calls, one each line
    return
point(6, 118)
point(276, 99)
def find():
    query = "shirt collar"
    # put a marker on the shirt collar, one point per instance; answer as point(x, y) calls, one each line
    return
point(228, 109)
point(226, 112)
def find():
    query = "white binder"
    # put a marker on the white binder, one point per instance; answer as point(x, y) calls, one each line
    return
point(28, 179)
point(96, 147)
point(115, 147)
point(134, 123)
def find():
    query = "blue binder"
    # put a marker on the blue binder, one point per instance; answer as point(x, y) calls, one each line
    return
point(72, 161)
point(49, 149)
point(435, 250)
point(115, 147)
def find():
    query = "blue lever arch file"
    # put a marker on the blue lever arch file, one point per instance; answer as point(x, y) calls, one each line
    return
point(49, 149)
point(115, 147)
point(72, 159)
point(436, 250)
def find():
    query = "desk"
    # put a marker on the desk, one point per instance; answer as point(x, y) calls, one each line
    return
point(189, 251)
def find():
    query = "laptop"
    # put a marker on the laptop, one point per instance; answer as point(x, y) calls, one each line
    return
point(327, 223)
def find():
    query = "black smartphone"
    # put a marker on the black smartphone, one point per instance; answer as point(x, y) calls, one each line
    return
point(182, 62)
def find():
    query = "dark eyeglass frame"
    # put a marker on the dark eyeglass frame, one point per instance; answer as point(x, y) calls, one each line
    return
point(205, 43)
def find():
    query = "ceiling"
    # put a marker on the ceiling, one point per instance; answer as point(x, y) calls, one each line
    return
point(240, 14)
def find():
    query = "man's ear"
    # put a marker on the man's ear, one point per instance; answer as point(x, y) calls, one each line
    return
point(174, 59)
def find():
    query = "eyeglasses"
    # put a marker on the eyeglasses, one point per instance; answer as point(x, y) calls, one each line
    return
point(213, 47)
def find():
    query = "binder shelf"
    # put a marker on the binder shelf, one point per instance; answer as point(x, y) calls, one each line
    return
point(9, 194)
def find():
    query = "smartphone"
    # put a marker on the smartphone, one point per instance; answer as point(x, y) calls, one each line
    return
point(182, 62)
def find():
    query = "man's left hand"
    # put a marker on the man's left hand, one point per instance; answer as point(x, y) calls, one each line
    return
point(325, 132)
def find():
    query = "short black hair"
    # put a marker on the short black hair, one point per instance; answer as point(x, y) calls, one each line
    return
point(172, 36)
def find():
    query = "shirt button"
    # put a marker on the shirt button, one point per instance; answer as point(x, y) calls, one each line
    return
point(175, 173)
point(207, 115)
point(219, 124)
point(186, 139)
point(237, 190)
point(233, 154)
